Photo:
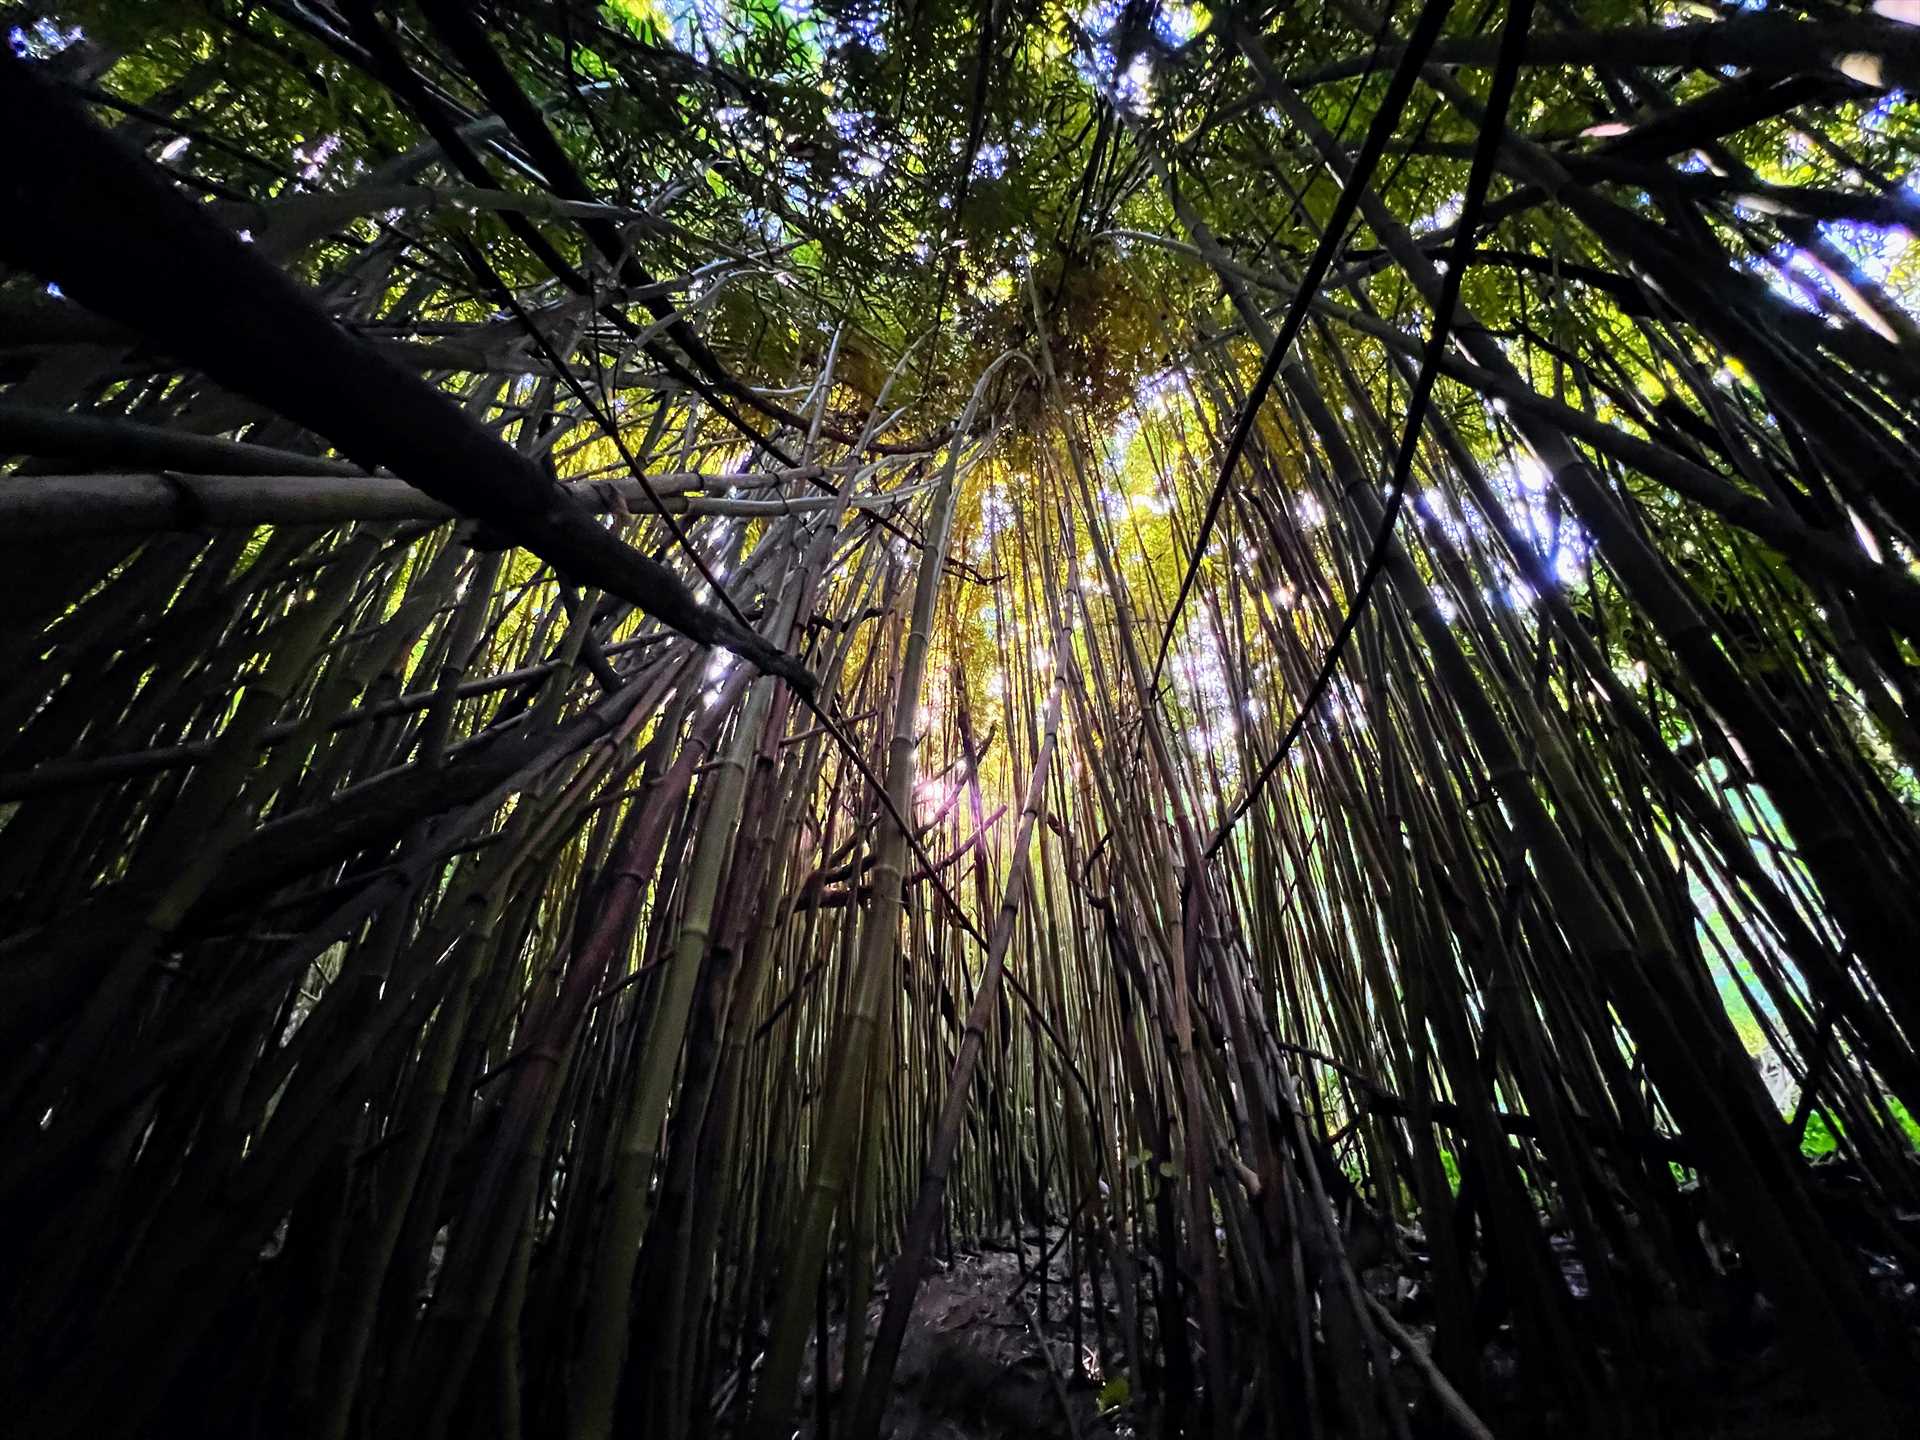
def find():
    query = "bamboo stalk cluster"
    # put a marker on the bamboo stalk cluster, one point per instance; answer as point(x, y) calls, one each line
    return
point(579, 800)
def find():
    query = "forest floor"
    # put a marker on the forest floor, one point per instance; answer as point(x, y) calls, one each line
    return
point(979, 1363)
point(984, 1358)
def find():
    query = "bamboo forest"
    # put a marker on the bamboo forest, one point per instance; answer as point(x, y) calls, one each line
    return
point(1063, 718)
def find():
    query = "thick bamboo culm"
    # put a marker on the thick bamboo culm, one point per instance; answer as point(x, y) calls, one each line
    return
point(665, 664)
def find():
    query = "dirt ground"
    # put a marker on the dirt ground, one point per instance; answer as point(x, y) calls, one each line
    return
point(973, 1365)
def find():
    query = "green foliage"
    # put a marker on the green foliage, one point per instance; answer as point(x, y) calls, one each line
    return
point(1818, 1138)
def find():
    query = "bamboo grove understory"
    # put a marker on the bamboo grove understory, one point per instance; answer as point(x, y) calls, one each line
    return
point(665, 661)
